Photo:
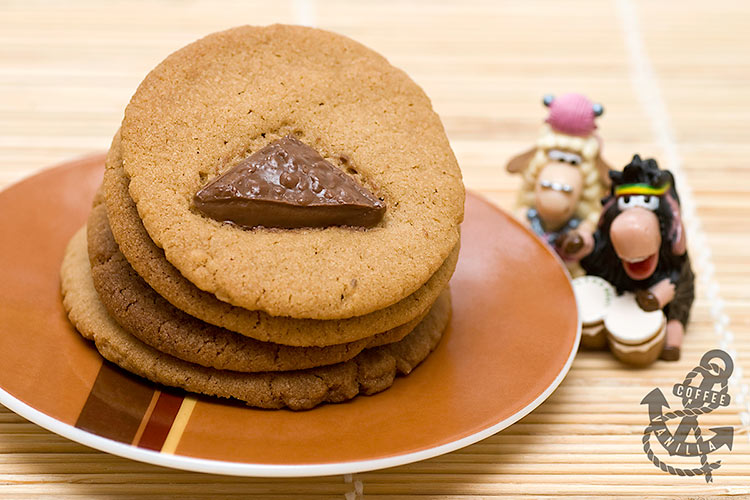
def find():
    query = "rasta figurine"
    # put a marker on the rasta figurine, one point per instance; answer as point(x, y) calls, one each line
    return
point(564, 178)
point(640, 246)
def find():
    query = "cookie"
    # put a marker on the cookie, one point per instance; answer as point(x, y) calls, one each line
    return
point(213, 103)
point(149, 317)
point(148, 261)
point(369, 372)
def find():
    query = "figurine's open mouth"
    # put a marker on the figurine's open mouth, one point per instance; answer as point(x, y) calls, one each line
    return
point(641, 268)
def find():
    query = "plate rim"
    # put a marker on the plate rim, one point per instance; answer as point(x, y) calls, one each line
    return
point(246, 469)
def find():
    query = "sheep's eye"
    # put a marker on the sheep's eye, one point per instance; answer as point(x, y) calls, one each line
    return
point(574, 159)
point(556, 154)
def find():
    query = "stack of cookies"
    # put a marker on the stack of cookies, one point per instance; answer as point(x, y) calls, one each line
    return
point(278, 223)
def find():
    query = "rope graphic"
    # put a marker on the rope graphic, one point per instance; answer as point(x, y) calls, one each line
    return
point(704, 470)
point(712, 374)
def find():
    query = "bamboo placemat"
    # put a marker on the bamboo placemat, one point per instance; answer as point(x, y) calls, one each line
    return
point(673, 77)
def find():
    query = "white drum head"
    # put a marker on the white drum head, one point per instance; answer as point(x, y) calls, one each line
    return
point(594, 296)
point(629, 324)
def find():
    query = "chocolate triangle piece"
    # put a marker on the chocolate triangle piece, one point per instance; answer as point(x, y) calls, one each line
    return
point(287, 184)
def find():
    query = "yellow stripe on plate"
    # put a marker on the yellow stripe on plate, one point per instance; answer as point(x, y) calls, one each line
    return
point(178, 427)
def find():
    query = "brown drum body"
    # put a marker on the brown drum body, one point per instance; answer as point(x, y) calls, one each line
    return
point(634, 336)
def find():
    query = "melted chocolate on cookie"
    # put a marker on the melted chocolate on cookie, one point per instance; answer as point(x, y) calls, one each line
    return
point(287, 184)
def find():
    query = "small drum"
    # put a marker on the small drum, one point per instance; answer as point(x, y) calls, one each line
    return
point(594, 296)
point(635, 336)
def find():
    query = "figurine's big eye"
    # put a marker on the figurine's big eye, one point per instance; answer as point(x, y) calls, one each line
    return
point(651, 202)
point(573, 159)
point(563, 156)
point(624, 202)
point(647, 202)
point(556, 155)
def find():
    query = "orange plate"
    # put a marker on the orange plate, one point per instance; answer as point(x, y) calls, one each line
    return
point(512, 339)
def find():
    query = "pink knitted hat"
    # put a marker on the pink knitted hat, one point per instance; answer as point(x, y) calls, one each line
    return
point(572, 114)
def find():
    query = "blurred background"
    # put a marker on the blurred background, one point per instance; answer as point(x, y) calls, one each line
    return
point(67, 69)
point(674, 79)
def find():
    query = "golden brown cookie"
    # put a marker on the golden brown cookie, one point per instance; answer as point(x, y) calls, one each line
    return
point(148, 261)
point(149, 317)
point(371, 371)
point(214, 102)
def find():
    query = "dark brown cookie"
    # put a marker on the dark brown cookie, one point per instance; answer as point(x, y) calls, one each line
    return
point(153, 320)
point(371, 371)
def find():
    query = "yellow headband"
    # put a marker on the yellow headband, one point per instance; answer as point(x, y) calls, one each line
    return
point(647, 189)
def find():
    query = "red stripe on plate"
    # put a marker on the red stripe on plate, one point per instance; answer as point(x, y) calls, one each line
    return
point(161, 421)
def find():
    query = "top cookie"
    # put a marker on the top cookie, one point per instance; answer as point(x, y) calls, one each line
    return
point(218, 100)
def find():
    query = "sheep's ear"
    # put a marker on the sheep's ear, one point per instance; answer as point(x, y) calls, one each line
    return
point(519, 162)
point(604, 169)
